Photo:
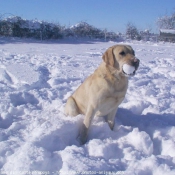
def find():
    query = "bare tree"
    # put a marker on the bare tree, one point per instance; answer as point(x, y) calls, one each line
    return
point(166, 22)
point(132, 32)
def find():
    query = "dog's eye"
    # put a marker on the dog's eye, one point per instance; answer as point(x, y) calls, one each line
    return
point(122, 53)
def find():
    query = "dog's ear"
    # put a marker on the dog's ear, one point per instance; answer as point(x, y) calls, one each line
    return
point(131, 49)
point(108, 57)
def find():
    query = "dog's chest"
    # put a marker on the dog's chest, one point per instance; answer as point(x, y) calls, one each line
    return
point(119, 89)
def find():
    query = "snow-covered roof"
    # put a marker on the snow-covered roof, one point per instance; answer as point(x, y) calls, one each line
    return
point(172, 31)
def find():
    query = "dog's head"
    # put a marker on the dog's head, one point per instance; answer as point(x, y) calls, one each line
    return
point(122, 58)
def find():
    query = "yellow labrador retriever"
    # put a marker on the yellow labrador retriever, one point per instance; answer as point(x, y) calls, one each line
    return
point(103, 91)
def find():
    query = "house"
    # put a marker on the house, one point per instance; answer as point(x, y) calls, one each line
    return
point(167, 35)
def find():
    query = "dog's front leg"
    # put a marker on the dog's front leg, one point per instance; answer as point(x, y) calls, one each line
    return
point(86, 124)
point(111, 118)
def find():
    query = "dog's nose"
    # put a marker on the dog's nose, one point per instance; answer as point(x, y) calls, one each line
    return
point(136, 62)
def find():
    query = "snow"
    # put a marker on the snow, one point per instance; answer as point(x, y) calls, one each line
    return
point(36, 137)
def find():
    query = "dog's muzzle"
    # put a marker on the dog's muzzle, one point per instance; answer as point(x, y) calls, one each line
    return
point(130, 70)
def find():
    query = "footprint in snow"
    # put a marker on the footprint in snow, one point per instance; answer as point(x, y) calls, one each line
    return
point(22, 98)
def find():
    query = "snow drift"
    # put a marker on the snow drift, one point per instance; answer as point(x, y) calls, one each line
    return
point(37, 138)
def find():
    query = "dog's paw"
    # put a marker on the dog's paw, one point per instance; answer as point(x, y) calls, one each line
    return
point(81, 140)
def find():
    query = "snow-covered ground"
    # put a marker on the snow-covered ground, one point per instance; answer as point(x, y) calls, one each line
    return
point(37, 138)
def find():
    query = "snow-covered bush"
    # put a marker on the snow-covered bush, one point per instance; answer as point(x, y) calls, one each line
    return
point(17, 27)
point(84, 29)
point(113, 36)
point(5, 28)
point(68, 32)
point(51, 31)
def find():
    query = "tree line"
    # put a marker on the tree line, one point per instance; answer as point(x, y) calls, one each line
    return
point(15, 26)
